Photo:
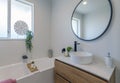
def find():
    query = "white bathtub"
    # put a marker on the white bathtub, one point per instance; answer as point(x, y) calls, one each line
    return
point(20, 72)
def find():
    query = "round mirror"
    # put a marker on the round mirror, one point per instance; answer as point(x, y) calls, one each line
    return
point(91, 19)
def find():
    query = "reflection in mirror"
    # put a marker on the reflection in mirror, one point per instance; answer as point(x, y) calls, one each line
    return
point(91, 18)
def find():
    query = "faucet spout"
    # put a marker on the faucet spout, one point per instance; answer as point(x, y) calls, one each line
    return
point(75, 45)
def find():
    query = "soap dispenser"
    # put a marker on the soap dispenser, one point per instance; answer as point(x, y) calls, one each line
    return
point(108, 61)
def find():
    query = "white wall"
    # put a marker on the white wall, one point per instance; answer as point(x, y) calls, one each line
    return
point(62, 35)
point(12, 50)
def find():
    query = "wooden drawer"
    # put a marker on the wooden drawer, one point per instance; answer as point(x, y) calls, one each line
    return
point(59, 79)
point(75, 75)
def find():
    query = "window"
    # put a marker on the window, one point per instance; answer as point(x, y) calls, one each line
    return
point(3, 18)
point(76, 26)
point(13, 11)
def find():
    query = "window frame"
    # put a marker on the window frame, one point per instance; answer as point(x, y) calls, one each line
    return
point(9, 19)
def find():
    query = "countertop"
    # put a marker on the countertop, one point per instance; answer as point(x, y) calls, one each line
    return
point(97, 68)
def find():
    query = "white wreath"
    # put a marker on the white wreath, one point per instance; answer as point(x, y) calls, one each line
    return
point(20, 27)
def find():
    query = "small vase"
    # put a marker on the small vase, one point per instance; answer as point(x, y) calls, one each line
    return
point(66, 54)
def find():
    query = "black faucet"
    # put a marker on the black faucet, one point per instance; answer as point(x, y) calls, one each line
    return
point(75, 45)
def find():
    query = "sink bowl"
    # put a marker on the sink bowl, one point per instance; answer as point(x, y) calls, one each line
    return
point(81, 57)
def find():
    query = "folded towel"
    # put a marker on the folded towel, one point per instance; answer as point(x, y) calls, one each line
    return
point(8, 81)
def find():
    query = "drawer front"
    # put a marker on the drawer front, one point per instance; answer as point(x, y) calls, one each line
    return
point(75, 75)
point(59, 79)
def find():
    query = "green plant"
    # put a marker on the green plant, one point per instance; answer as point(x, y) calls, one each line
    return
point(28, 40)
point(69, 49)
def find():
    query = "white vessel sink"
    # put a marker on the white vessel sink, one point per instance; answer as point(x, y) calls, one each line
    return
point(81, 57)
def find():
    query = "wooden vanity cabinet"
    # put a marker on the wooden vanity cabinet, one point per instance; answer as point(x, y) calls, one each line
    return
point(65, 73)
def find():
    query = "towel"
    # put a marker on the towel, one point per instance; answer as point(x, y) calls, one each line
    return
point(8, 81)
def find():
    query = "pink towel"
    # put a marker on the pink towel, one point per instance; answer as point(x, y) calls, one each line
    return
point(8, 81)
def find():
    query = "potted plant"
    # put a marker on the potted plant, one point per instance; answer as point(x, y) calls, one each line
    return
point(68, 50)
point(28, 41)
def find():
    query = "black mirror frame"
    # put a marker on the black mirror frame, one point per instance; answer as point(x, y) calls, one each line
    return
point(111, 15)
